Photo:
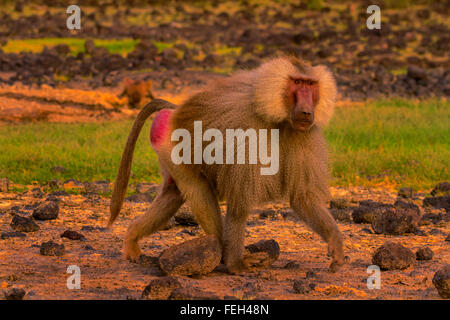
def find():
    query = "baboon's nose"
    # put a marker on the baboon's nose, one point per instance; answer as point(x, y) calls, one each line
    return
point(307, 116)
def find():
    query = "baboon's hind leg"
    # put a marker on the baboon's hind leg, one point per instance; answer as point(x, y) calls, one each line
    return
point(163, 207)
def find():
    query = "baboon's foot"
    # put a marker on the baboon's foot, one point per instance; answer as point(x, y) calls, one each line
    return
point(336, 251)
point(238, 266)
point(131, 250)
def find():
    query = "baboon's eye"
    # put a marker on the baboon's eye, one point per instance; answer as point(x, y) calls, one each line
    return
point(297, 81)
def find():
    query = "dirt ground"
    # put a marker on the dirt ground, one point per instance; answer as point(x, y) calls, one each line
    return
point(105, 274)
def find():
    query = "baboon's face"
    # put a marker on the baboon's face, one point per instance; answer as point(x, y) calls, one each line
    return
point(302, 95)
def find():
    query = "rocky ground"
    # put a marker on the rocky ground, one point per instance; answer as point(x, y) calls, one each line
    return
point(408, 56)
point(42, 233)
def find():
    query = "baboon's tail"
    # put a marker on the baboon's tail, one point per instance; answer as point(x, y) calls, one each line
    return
point(121, 183)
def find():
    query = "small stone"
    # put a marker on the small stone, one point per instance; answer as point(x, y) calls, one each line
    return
point(342, 215)
point(416, 73)
point(89, 46)
point(37, 192)
point(185, 218)
point(160, 288)
point(340, 203)
point(392, 256)
point(303, 286)
point(14, 294)
point(51, 248)
point(441, 189)
point(405, 193)
point(403, 218)
point(55, 184)
point(291, 265)
point(269, 248)
point(424, 253)
point(438, 202)
point(268, 214)
point(194, 257)
point(72, 235)
point(23, 224)
point(4, 185)
point(441, 281)
point(14, 234)
point(46, 211)
point(368, 211)
point(97, 187)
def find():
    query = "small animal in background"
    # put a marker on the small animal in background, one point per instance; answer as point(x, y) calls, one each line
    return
point(136, 91)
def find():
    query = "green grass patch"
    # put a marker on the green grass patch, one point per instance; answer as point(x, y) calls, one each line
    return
point(76, 45)
point(396, 142)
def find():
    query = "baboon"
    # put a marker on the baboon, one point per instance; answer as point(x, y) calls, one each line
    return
point(284, 93)
point(136, 91)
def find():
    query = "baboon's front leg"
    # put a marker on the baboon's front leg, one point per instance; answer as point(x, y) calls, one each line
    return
point(317, 216)
point(165, 205)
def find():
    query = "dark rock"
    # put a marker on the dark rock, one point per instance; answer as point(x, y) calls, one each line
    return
point(4, 185)
point(424, 253)
point(88, 247)
point(340, 203)
point(405, 193)
point(448, 238)
point(397, 221)
point(72, 235)
point(392, 256)
point(431, 217)
point(194, 257)
point(14, 234)
point(368, 211)
point(441, 189)
point(192, 293)
point(160, 288)
point(23, 224)
point(98, 187)
point(89, 46)
point(46, 211)
point(343, 215)
point(185, 218)
point(291, 265)
point(441, 281)
point(59, 193)
point(140, 198)
point(268, 214)
point(303, 286)
point(14, 294)
point(269, 248)
point(438, 202)
point(51, 248)
point(37, 192)
point(416, 73)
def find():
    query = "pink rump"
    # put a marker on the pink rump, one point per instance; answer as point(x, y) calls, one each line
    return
point(160, 127)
